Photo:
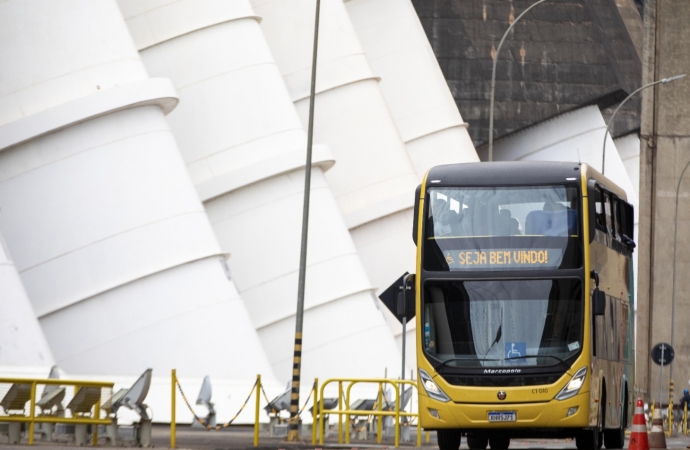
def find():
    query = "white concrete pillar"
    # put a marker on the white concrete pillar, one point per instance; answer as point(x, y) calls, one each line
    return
point(108, 235)
point(573, 136)
point(373, 180)
point(245, 149)
point(412, 83)
point(417, 96)
point(628, 147)
point(21, 339)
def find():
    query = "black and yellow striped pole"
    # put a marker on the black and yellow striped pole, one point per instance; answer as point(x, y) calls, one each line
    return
point(293, 430)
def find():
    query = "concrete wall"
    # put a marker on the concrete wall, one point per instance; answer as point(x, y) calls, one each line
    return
point(419, 101)
point(628, 147)
point(412, 83)
point(664, 155)
point(21, 339)
point(573, 136)
point(107, 233)
point(245, 149)
point(373, 180)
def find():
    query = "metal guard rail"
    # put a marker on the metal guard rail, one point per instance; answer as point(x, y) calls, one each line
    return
point(380, 412)
point(33, 419)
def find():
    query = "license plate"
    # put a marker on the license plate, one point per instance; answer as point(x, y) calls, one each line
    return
point(502, 416)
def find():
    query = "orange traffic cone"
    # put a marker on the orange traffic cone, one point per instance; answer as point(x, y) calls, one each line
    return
point(657, 437)
point(638, 435)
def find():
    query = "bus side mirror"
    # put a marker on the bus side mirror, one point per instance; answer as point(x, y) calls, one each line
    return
point(598, 302)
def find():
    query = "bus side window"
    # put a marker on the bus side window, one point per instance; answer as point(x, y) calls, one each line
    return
point(627, 221)
point(615, 205)
point(600, 217)
point(607, 212)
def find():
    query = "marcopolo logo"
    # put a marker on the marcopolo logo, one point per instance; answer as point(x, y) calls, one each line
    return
point(492, 371)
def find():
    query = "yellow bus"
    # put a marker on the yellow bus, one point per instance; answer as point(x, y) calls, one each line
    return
point(524, 300)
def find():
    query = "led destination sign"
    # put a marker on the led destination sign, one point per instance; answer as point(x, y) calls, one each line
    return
point(504, 259)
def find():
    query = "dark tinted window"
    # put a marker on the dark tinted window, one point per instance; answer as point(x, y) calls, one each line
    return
point(502, 228)
point(501, 323)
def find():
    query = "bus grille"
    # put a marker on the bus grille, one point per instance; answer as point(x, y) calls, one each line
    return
point(502, 381)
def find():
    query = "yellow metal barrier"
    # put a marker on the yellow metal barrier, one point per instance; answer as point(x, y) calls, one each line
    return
point(173, 405)
point(256, 413)
point(32, 419)
point(315, 409)
point(685, 419)
point(396, 384)
point(257, 388)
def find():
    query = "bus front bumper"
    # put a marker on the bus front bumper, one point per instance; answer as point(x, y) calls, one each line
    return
point(570, 413)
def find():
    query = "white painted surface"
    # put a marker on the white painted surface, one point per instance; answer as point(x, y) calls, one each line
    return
point(106, 230)
point(373, 177)
point(425, 115)
point(628, 148)
point(244, 147)
point(352, 117)
point(21, 339)
point(573, 136)
point(412, 83)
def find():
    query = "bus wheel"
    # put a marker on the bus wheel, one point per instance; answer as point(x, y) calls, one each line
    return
point(616, 438)
point(448, 439)
point(588, 439)
point(477, 442)
point(499, 443)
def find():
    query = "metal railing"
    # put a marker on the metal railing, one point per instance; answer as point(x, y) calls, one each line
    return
point(175, 386)
point(394, 411)
point(77, 418)
point(381, 408)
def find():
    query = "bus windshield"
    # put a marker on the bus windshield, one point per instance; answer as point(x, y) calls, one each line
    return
point(502, 323)
point(502, 228)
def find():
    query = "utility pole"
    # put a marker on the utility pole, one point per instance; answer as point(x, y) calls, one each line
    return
point(293, 430)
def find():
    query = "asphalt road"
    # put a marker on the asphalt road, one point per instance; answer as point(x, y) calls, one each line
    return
point(240, 438)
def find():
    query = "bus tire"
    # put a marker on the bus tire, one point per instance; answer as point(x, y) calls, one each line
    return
point(591, 439)
point(616, 438)
point(448, 439)
point(477, 442)
point(499, 442)
point(588, 440)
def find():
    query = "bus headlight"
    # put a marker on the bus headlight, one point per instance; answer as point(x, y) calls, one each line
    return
point(574, 385)
point(432, 388)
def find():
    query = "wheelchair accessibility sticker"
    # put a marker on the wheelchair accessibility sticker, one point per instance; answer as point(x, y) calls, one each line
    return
point(516, 350)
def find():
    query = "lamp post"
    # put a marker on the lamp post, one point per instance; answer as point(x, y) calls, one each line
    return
point(662, 81)
point(493, 80)
point(293, 431)
point(675, 240)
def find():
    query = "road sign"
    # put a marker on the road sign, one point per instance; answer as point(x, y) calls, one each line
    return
point(665, 351)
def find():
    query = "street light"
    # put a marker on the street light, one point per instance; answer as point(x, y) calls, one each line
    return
point(675, 240)
point(493, 80)
point(662, 81)
point(293, 430)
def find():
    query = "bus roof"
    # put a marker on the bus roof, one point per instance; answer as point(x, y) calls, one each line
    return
point(515, 173)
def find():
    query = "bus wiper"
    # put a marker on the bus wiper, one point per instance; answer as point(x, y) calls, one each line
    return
point(462, 359)
point(499, 332)
point(538, 356)
point(496, 339)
